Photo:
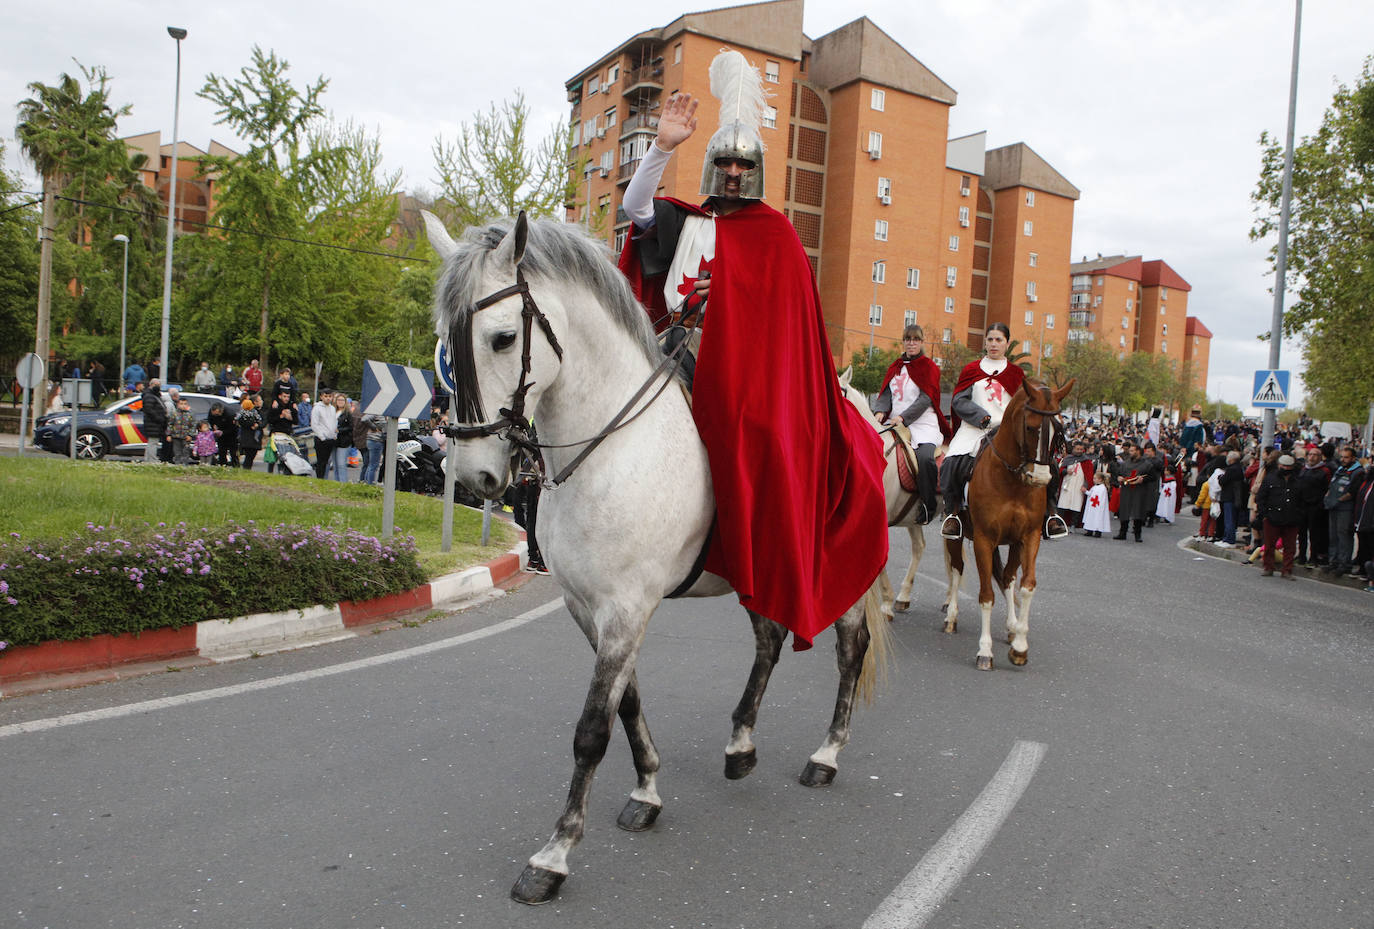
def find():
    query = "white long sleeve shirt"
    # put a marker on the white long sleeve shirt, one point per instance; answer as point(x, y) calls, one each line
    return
point(324, 421)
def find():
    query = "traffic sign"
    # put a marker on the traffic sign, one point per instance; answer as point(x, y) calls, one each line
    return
point(443, 365)
point(1271, 389)
point(395, 390)
point(29, 372)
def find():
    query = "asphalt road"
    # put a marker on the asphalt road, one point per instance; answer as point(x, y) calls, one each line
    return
point(1207, 741)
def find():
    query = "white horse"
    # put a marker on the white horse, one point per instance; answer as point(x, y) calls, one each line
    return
point(902, 509)
point(541, 324)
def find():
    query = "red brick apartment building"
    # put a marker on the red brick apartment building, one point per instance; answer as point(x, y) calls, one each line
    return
point(902, 224)
point(195, 194)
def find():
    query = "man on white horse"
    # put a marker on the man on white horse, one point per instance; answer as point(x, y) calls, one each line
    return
point(797, 474)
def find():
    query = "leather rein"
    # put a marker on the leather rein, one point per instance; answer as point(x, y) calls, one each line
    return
point(1050, 428)
point(514, 427)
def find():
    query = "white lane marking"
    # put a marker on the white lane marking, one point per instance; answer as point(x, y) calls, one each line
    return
point(162, 703)
point(921, 893)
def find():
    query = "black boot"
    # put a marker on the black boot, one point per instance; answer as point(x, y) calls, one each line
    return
point(1135, 527)
point(1122, 534)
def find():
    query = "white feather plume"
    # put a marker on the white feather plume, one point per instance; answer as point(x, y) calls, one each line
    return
point(739, 87)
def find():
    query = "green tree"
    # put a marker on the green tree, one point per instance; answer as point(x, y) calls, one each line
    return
point(869, 369)
point(1094, 365)
point(1330, 247)
point(18, 264)
point(492, 170)
point(952, 357)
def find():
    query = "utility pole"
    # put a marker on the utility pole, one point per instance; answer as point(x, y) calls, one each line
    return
point(46, 233)
point(1285, 205)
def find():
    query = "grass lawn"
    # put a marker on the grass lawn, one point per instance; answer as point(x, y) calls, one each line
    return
point(46, 498)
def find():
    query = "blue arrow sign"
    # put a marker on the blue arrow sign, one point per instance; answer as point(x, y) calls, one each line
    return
point(395, 390)
point(1271, 389)
point(443, 364)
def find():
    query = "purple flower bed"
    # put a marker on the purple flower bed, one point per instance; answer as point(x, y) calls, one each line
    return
point(115, 581)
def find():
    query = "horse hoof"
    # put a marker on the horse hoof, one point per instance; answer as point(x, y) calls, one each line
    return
point(901, 606)
point(740, 764)
point(983, 662)
point(637, 816)
point(951, 626)
point(817, 775)
point(1017, 658)
point(536, 885)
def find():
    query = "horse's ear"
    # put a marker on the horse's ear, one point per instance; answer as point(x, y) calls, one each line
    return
point(1064, 391)
point(846, 376)
point(512, 247)
point(438, 236)
point(1026, 389)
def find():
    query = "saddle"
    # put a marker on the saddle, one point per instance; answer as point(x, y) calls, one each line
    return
point(905, 457)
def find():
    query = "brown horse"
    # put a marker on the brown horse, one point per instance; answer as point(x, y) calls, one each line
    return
point(1006, 506)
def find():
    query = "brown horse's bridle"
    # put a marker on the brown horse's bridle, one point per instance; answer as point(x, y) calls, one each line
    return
point(1051, 429)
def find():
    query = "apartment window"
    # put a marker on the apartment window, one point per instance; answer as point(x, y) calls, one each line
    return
point(620, 239)
point(588, 131)
point(1028, 228)
point(1049, 350)
point(770, 72)
point(607, 161)
point(909, 318)
point(913, 278)
point(1164, 293)
point(880, 272)
point(593, 84)
point(1163, 346)
point(610, 117)
point(877, 99)
point(1030, 318)
point(1121, 341)
point(880, 230)
point(1125, 322)
point(1165, 327)
point(965, 185)
point(963, 216)
point(1130, 286)
point(949, 308)
point(612, 74)
point(1101, 281)
point(1049, 320)
point(875, 314)
point(770, 117)
point(1130, 304)
point(1035, 259)
point(1030, 198)
point(951, 276)
point(947, 336)
point(875, 144)
point(1097, 301)
point(954, 243)
point(604, 203)
point(1030, 291)
point(884, 187)
point(677, 54)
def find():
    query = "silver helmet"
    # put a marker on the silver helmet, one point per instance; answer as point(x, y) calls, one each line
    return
point(737, 141)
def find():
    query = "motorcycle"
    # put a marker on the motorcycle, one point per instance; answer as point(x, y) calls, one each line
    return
point(421, 465)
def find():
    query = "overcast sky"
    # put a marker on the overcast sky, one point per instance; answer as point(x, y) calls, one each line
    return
point(1152, 109)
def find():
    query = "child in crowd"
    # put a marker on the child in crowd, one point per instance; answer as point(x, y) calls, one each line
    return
point(181, 430)
point(205, 445)
point(1096, 517)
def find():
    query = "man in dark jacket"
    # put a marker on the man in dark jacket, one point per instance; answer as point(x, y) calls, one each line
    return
point(1313, 478)
point(1278, 502)
point(1133, 474)
point(154, 420)
point(1232, 497)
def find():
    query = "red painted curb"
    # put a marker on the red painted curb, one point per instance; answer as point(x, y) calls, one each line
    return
point(363, 612)
point(506, 566)
point(101, 651)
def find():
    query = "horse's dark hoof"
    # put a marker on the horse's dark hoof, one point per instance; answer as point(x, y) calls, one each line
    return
point(1017, 658)
point(951, 626)
point(901, 606)
point(983, 663)
point(536, 885)
point(740, 764)
point(817, 775)
point(637, 816)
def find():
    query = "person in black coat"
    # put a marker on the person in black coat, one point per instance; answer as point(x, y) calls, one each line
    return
point(221, 420)
point(1313, 478)
point(154, 419)
point(1133, 473)
point(1232, 496)
point(1278, 504)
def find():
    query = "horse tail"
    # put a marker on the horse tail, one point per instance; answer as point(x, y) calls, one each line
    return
point(878, 657)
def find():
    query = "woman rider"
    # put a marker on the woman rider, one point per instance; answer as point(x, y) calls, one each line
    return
point(981, 395)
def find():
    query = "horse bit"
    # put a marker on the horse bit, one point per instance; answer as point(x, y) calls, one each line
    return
point(1051, 428)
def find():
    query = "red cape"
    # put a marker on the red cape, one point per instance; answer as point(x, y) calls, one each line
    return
point(926, 374)
point(798, 475)
point(1009, 377)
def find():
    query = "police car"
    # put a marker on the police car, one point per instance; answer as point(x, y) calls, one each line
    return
point(115, 430)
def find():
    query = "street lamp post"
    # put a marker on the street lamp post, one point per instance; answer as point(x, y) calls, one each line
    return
point(123, 309)
point(177, 34)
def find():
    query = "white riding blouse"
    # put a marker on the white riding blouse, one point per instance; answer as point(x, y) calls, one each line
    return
point(989, 394)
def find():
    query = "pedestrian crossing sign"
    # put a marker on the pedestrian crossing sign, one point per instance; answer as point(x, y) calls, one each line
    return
point(1271, 389)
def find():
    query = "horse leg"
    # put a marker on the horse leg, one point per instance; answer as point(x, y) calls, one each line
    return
point(954, 571)
point(851, 642)
point(984, 552)
point(918, 548)
point(644, 805)
point(740, 757)
point(617, 647)
point(1005, 576)
point(1018, 654)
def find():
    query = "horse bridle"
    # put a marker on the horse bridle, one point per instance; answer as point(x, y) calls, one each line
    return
point(1051, 427)
point(512, 425)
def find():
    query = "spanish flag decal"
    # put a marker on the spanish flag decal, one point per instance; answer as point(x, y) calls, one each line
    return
point(128, 432)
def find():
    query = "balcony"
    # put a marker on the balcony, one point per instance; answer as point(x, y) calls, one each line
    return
point(645, 77)
point(1079, 319)
point(627, 171)
point(644, 122)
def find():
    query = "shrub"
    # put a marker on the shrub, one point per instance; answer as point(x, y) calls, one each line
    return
point(101, 582)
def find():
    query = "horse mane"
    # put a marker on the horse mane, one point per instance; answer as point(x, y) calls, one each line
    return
point(556, 254)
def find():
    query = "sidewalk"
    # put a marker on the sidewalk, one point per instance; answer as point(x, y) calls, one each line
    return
point(1238, 556)
point(55, 665)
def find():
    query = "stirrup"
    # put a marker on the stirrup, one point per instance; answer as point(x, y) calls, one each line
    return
point(1056, 528)
point(951, 528)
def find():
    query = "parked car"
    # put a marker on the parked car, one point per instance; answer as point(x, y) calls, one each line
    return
point(115, 430)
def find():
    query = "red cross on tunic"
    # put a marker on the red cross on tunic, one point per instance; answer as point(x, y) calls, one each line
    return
point(996, 391)
point(688, 286)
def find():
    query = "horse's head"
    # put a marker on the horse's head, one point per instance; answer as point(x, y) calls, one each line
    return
point(853, 394)
point(1036, 428)
point(503, 348)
